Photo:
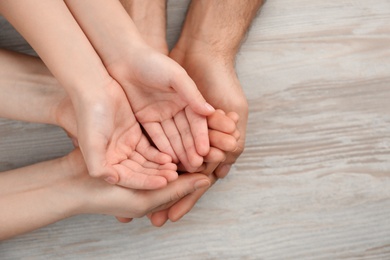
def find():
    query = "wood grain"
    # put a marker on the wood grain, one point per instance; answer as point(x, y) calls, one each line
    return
point(314, 180)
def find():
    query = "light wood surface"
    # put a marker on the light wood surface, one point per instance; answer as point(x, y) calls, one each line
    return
point(314, 180)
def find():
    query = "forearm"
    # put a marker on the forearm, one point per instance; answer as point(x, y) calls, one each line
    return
point(35, 196)
point(28, 90)
point(116, 29)
point(55, 35)
point(149, 16)
point(218, 26)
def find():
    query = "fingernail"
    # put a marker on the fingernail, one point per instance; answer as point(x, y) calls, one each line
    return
point(110, 180)
point(209, 107)
point(201, 184)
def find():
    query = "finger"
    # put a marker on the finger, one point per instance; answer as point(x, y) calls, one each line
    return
point(231, 158)
point(151, 153)
point(223, 170)
point(215, 156)
point(234, 116)
point(221, 122)
point(174, 138)
point(157, 135)
point(94, 154)
point(222, 141)
point(181, 169)
point(236, 134)
point(159, 218)
point(124, 220)
point(183, 126)
point(209, 168)
point(184, 185)
point(134, 168)
point(186, 88)
point(183, 206)
point(220, 111)
point(199, 131)
point(136, 180)
point(138, 158)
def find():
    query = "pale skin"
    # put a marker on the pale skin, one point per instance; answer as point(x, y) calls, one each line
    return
point(64, 78)
point(47, 192)
point(108, 133)
point(31, 93)
point(180, 129)
point(209, 41)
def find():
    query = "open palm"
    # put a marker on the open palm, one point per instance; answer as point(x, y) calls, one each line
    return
point(114, 146)
point(166, 103)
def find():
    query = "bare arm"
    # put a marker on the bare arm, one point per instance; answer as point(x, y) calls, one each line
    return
point(35, 196)
point(211, 36)
point(150, 79)
point(55, 35)
point(38, 195)
point(105, 122)
point(29, 92)
point(149, 16)
point(218, 26)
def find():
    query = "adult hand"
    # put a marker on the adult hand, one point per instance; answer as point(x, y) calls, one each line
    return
point(62, 188)
point(109, 136)
point(152, 27)
point(114, 146)
point(151, 81)
point(99, 197)
point(213, 75)
point(124, 148)
point(222, 143)
point(208, 53)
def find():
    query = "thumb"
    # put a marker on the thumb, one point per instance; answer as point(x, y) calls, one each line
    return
point(98, 167)
point(187, 90)
point(176, 190)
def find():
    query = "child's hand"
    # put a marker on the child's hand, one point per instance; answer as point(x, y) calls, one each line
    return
point(164, 98)
point(166, 103)
point(114, 147)
point(223, 135)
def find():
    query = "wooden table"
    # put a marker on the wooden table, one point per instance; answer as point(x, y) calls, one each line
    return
point(314, 180)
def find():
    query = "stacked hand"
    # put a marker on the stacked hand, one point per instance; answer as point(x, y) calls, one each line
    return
point(214, 76)
point(137, 112)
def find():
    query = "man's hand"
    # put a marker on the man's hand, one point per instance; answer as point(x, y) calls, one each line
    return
point(218, 82)
point(208, 53)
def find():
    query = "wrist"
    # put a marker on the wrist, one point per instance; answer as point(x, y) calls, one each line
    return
point(203, 31)
point(218, 26)
point(189, 47)
point(72, 187)
point(149, 16)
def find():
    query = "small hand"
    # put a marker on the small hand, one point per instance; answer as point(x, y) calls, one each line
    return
point(114, 146)
point(223, 78)
point(213, 75)
point(223, 138)
point(166, 102)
